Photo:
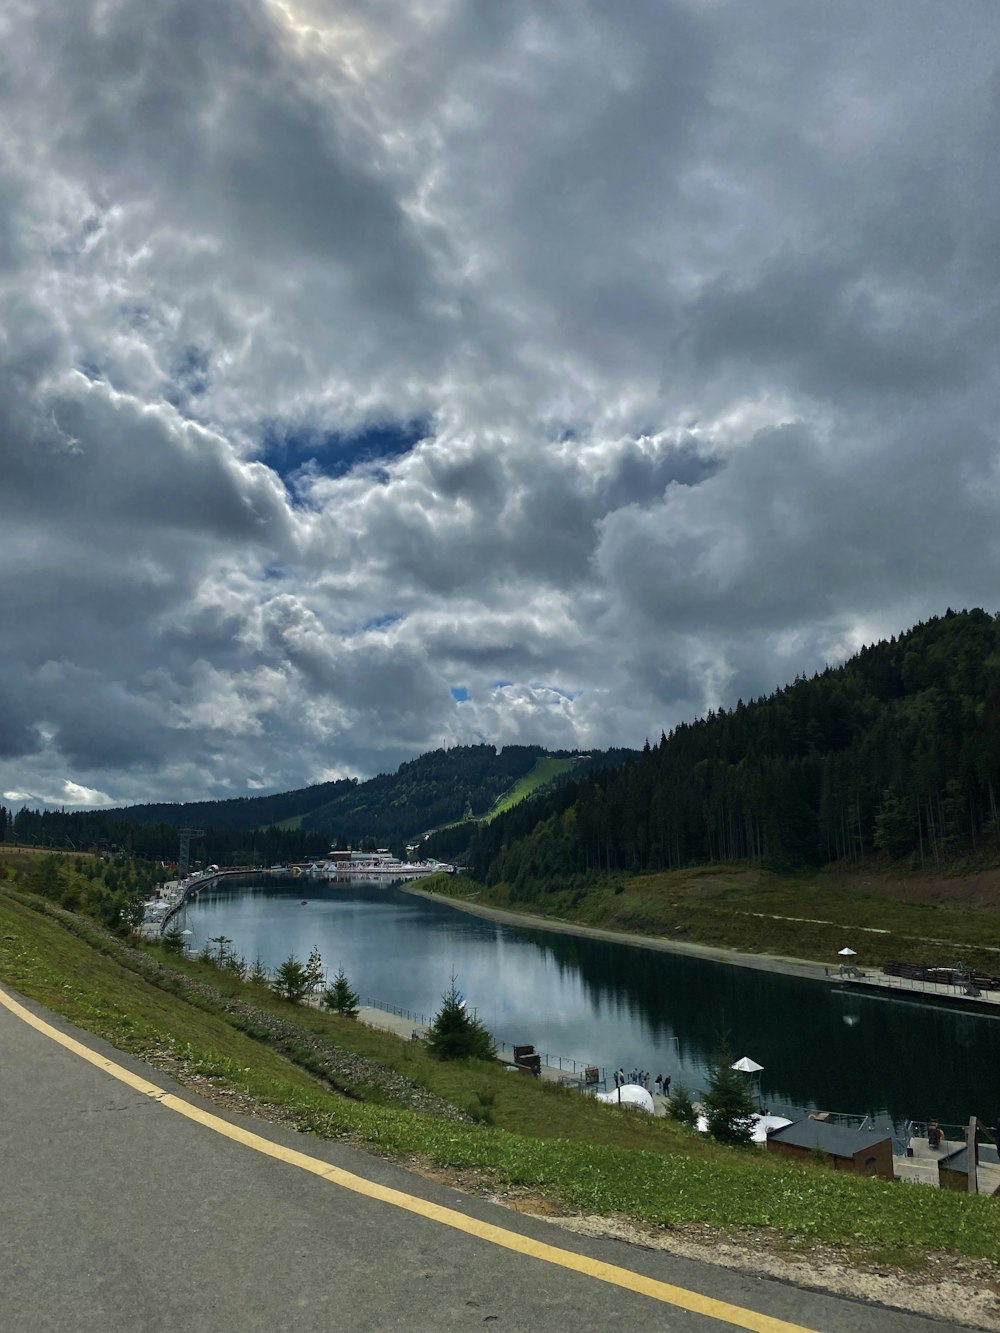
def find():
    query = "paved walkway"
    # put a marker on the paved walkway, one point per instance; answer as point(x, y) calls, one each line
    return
point(380, 1018)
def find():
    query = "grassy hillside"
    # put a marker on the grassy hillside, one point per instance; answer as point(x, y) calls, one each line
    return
point(240, 1044)
point(546, 770)
point(809, 914)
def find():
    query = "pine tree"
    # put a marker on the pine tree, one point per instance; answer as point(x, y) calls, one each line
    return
point(340, 997)
point(222, 943)
point(257, 975)
point(681, 1108)
point(895, 824)
point(456, 1034)
point(173, 939)
point(292, 981)
point(729, 1108)
point(237, 964)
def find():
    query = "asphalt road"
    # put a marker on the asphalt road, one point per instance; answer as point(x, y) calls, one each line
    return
point(122, 1215)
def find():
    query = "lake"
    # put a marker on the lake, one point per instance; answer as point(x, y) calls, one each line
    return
point(610, 1004)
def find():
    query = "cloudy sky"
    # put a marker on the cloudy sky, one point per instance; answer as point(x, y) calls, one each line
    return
point(376, 377)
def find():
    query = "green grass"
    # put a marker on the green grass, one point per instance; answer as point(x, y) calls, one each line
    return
point(543, 1138)
point(546, 770)
point(810, 915)
point(41, 959)
point(538, 1109)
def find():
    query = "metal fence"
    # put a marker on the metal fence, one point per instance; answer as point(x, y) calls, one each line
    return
point(563, 1063)
point(410, 1015)
point(930, 989)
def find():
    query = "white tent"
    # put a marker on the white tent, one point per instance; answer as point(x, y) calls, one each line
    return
point(761, 1124)
point(631, 1095)
point(747, 1066)
point(766, 1122)
point(848, 953)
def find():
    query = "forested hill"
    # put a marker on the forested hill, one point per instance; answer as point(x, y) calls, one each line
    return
point(241, 812)
point(437, 788)
point(895, 753)
point(433, 789)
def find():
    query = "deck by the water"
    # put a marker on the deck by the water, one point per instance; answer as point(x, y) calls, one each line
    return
point(903, 988)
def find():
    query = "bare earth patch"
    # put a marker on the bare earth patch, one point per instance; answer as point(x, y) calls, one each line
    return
point(976, 889)
point(961, 1291)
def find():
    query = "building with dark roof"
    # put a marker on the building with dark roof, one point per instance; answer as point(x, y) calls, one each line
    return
point(859, 1152)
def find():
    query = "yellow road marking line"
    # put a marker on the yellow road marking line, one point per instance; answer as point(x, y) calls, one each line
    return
point(509, 1240)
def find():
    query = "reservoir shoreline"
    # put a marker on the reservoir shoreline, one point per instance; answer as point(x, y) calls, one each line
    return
point(791, 967)
point(660, 1003)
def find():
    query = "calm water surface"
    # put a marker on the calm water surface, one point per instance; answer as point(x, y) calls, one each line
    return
point(614, 1004)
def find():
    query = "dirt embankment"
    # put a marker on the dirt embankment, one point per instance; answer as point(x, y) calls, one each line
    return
point(979, 888)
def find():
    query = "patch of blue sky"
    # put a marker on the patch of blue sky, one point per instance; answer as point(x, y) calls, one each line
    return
point(460, 694)
point(91, 369)
point(373, 625)
point(335, 453)
point(565, 694)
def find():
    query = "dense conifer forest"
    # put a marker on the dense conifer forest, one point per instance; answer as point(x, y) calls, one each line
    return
point(437, 788)
point(896, 754)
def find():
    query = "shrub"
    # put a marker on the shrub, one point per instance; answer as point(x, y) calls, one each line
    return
point(340, 998)
point(681, 1108)
point(729, 1108)
point(292, 980)
point(456, 1034)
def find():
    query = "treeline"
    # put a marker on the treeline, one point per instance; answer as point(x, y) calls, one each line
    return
point(108, 833)
point(437, 788)
point(110, 892)
point(242, 813)
point(896, 753)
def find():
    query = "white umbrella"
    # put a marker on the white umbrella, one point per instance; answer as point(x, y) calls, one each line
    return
point(847, 953)
point(747, 1066)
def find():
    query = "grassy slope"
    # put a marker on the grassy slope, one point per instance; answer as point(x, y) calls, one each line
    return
point(546, 770)
point(809, 915)
point(592, 1158)
point(292, 823)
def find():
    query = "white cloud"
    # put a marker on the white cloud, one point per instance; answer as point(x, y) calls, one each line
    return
point(691, 308)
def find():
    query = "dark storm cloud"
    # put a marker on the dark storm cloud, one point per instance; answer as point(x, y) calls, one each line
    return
point(819, 328)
